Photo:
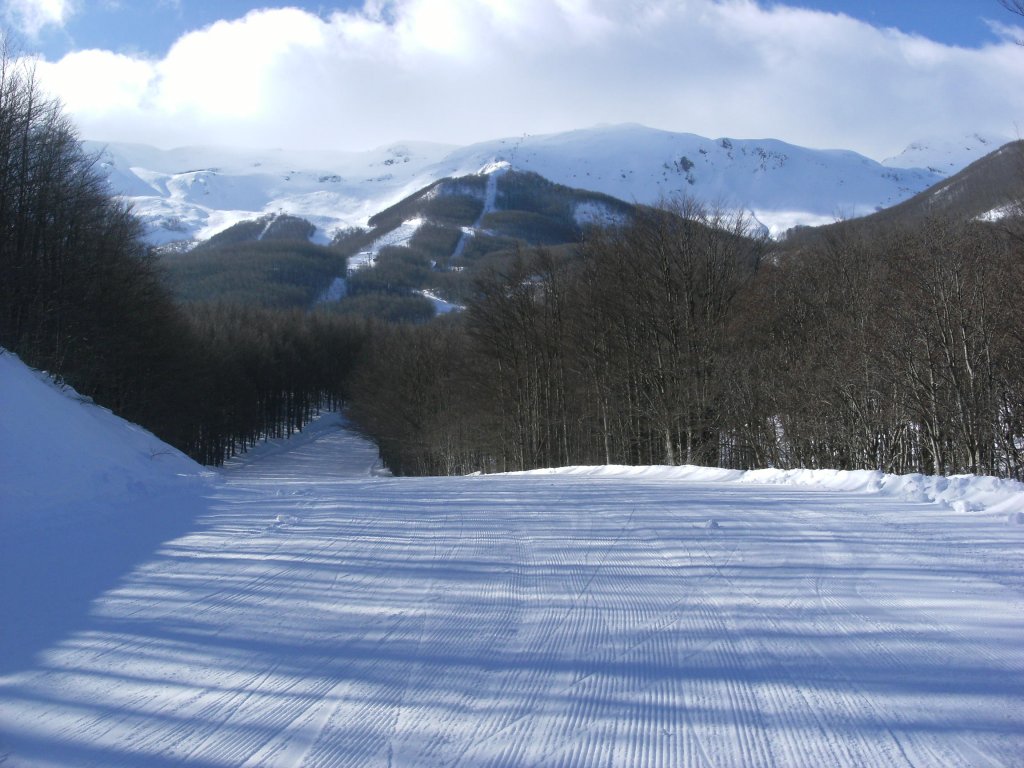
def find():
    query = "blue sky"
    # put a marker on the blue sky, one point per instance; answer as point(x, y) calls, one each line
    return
point(352, 75)
point(954, 22)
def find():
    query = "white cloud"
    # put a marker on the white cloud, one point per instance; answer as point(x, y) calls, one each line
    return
point(465, 70)
point(1013, 33)
point(123, 83)
point(32, 16)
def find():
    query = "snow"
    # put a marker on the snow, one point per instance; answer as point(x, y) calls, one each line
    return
point(307, 609)
point(644, 165)
point(92, 456)
point(1000, 214)
point(335, 292)
point(946, 155)
point(266, 228)
point(995, 497)
point(195, 192)
point(594, 213)
point(84, 496)
point(441, 306)
point(498, 167)
point(494, 171)
point(399, 236)
point(780, 222)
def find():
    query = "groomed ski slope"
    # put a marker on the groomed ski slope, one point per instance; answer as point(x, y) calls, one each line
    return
point(318, 613)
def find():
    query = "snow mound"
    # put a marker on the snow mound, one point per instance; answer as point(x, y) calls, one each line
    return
point(84, 497)
point(59, 452)
point(963, 494)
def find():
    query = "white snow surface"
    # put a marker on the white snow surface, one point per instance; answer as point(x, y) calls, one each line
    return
point(399, 236)
point(441, 306)
point(90, 454)
point(593, 213)
point(306, 609)
point(494, 172)
point(84, 495)
point(1000, 213)
point(193, 193)
point(946, 155)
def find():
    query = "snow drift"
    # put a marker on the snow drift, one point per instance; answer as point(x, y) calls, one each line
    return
point(67, 454)
point(85, 495)
point(977, 494)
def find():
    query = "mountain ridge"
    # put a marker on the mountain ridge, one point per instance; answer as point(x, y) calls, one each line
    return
point(190, 194)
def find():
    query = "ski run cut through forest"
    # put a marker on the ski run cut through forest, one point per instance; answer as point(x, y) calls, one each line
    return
point(301, 607)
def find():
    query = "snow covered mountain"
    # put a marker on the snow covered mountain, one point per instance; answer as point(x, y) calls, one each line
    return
point(987, 189)
point(946, 155)
point(194, 193)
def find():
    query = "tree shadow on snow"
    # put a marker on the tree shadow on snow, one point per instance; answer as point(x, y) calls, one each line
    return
point(52, 569)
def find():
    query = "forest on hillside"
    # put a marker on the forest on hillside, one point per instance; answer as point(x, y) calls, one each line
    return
point(682, 339)
point(678, 336)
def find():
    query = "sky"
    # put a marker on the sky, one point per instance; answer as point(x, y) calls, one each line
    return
point(869, 75)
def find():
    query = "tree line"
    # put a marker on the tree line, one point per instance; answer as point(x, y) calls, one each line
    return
point(682, 338)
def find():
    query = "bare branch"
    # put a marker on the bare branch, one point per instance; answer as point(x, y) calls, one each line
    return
point(1013, 6)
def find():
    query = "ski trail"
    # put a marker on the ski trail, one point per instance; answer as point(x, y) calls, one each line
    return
point(494, 173)
point(323, 615)
point(266, 227)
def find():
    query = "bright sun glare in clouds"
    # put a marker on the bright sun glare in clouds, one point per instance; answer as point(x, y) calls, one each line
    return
point(224, 71)
point(466, 70)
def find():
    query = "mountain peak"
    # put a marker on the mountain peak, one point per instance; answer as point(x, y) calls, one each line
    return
point(947, 155)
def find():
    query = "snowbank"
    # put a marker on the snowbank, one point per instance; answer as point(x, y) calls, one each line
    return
point(961, 493)
point(59, 452)
point(84, 497)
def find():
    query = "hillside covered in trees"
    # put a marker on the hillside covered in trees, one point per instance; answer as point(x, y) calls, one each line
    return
point(681, 339)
